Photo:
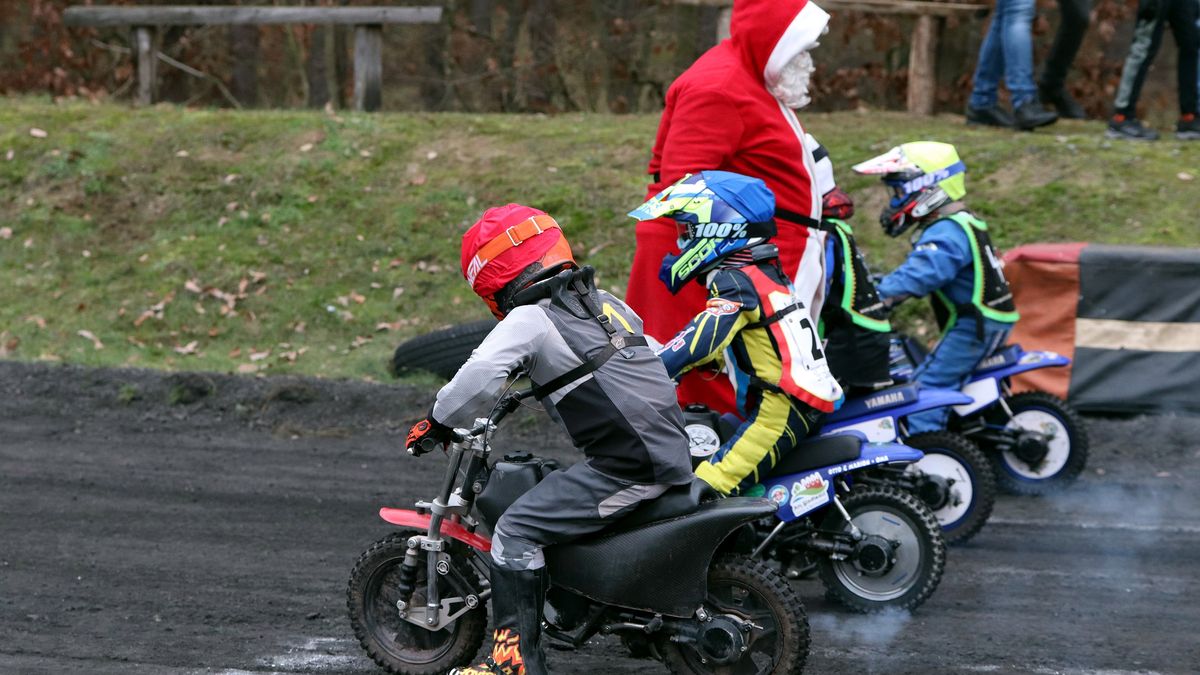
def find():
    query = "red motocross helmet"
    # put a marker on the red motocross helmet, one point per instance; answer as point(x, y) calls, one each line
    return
point(504, 243)
point(837, 204)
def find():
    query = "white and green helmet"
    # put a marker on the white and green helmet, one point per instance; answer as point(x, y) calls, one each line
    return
point(923, 177)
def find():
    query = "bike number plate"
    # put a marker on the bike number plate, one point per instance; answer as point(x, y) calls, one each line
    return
point(985, 392)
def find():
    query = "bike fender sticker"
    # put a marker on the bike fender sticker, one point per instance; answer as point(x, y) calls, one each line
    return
point(984, 392)
point(881, 430)
point(779, 495)
point(853, 466)
point(809, 493)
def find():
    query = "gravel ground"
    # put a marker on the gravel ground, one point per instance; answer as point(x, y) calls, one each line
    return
point(157, 523)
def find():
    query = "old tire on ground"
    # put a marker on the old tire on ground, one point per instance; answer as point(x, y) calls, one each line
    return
point(920, 558)
point(953, 457)
point(440, 352)
point(397, 646)
point(755, 590)
point(1067, 452)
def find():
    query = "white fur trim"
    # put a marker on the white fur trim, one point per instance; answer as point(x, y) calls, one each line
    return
point(801, 35)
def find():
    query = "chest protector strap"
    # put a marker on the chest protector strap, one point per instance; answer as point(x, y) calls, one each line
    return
point(580, 283)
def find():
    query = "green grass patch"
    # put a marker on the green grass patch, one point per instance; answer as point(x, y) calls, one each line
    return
point(301, 242)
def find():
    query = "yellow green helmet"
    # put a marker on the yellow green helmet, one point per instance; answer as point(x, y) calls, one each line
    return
point(923, 177)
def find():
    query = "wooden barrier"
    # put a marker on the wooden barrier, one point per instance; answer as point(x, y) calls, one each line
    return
point(368, 33)
point(922, 50)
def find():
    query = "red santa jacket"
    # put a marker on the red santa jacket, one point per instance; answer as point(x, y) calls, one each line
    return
point(719, 114)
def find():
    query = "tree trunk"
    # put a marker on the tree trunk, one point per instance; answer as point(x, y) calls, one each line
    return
point(243, 43)
point(317, 68)
point(546, 85)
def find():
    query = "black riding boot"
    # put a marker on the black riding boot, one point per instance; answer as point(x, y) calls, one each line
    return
point(517, 600)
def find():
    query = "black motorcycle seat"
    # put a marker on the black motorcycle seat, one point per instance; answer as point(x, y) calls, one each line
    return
point(814, 453)
point(677, 501)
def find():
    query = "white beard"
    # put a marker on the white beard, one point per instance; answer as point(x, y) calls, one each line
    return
point(792, 87)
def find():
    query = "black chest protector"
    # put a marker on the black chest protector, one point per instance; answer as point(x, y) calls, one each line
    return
point(991, 296)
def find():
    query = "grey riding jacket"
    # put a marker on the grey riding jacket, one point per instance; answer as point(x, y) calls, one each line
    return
point(623, 415)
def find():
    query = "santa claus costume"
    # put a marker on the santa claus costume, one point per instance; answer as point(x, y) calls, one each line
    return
point(721, 114)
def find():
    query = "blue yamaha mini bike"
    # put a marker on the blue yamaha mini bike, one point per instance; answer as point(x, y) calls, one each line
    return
point(1037, 441)
point(873, 545)
point(955, 479)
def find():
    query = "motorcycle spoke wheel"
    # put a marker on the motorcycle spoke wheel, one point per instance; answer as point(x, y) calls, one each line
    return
point(919, 560)
point(1066, 445)
point(972, 492)
point(750, 590)
point(395, 644)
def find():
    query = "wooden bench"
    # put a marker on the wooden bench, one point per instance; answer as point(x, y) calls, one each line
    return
point(922, 50)
point(368, 25)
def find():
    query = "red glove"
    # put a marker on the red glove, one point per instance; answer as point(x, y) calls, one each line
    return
point(427, 435)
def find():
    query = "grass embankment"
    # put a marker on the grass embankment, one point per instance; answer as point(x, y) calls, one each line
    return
point(309, 243)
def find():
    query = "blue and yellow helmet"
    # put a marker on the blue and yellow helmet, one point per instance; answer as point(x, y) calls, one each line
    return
point(718, 213)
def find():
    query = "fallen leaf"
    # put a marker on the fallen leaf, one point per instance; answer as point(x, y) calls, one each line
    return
point(41, 323)
point(228, 180)
point(364, 153)
point(358, 298)
point(8, 344)
point(257, 277)
point(418, 179)
point(214, 332)
point(312, 199)
point(259, 356)
point(6, 233)
point(300, 327)
point(38, 133)
point(199, 308)
point(1184, 176)
point(376, 285)
point(431, 155)
point(9, 155)
point(189, 348)
point(397, 292)
point(235, 352)
point(86, 253)
point(87, 334)
point(247, 368)
point(135, 342)
point(306, 147)
point(360, 341)
point(182, 153)
point(192, 286)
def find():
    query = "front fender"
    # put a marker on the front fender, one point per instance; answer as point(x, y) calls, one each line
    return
point(410, 518)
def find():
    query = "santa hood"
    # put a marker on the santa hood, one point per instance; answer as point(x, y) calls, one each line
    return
point(768, 33)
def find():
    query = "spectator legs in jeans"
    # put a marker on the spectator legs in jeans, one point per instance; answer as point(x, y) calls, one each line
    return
point(1073, 24)
point(1007, 52)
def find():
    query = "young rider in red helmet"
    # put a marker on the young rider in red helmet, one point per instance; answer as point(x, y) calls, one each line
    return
point(584, 351)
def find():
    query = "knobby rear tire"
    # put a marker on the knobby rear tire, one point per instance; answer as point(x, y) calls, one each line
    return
point(982, 474)
point(372, 614)
point(916, 516)
point(786, 608)
point(1011, 482)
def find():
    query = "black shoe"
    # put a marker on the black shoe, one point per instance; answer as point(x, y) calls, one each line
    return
point(1061, 100)
point(992, 116)
point(1129, 128)
point(1188, 128)
point(1033, 115)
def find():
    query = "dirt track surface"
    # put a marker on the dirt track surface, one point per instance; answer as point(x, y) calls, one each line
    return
point(216, 536)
